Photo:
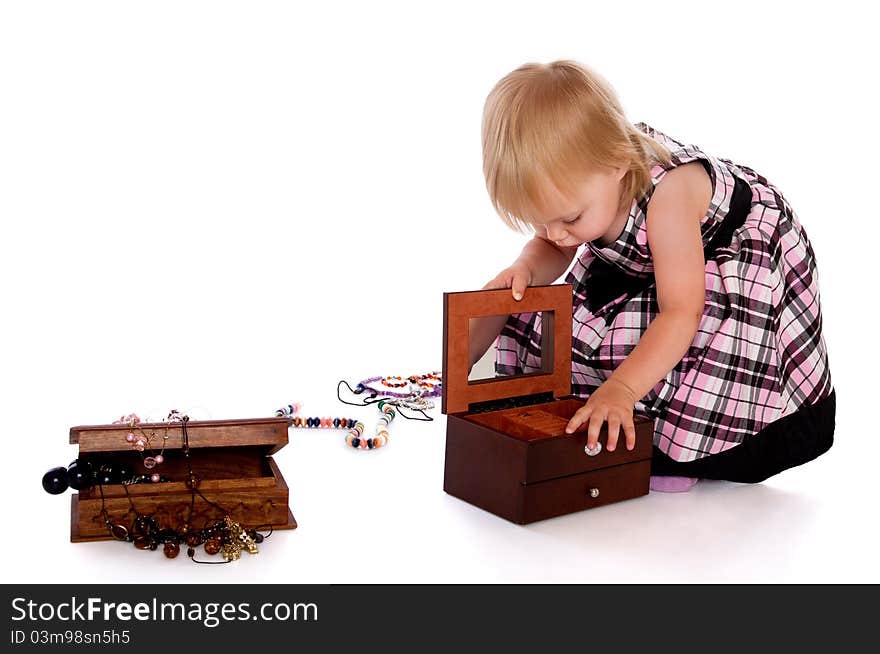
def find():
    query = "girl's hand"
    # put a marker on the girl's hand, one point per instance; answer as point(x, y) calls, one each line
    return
point(517, 277)
point(613, 401)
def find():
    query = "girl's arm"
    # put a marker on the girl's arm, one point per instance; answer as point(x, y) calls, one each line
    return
point(675, 212)
point(541, 262)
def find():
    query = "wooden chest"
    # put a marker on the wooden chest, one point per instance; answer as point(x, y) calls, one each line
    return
point(230, 458)
point(506, 447)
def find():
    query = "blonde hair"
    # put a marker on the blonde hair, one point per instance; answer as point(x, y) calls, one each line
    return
point(545, 126)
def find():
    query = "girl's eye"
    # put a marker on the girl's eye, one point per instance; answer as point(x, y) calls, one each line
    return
point(572, 221)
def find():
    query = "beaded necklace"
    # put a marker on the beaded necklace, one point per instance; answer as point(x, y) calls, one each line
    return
point(389, 402)
point(223, 536)
point(418, 386)
point(142, 442)
point(355, 428)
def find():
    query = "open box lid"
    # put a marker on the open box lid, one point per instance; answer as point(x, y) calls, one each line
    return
point(555, 303)
point(264, 434)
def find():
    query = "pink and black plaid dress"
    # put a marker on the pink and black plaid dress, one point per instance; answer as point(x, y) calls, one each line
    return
point(759, 354)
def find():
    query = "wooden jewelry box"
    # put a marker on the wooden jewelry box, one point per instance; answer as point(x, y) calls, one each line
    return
point(230, 458)
point(506, 447)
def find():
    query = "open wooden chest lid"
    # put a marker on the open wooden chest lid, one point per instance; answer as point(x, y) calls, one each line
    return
point(269, 434)
point(555, 304)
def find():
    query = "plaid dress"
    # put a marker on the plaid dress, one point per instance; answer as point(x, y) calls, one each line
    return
point(759, 353)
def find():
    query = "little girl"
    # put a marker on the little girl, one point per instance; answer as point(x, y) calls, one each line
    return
point(696, 299)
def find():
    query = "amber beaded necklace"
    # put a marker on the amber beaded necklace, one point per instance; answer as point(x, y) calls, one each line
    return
point(419, 389)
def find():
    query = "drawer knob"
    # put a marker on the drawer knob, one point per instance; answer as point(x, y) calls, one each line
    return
point(594, 451)
point(594, 492)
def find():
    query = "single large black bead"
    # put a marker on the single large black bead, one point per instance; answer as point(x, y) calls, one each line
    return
point(351, 423)
point(55, 481)
point(336, 422)
point(80, 474)
point(258, 537)
point(369, 443)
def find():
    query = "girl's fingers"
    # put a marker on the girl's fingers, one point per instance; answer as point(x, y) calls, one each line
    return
point(596, 416)
point(630, 431)
point(499, 281)
point(613, 431)
point(518, 286)
point(596, 420)
point(580, 417)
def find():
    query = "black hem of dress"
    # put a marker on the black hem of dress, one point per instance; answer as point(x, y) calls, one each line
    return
point(785, 443)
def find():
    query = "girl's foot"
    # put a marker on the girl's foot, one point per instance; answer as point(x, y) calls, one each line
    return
point(672, 484)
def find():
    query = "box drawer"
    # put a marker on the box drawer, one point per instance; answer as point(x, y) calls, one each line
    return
point(555, 497)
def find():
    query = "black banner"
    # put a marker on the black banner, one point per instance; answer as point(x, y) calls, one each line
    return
point(171, 618)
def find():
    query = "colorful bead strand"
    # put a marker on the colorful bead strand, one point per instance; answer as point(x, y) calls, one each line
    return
point(354, 437)
point(387, 416)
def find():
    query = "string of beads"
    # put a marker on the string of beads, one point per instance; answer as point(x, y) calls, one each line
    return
point(418, 386)
point(142, 442)
point(355, 428)
point(355, 436)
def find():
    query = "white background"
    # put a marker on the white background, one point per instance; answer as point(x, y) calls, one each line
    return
point(224, 207)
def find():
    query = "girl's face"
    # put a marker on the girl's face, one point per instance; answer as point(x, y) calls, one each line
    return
point(595, 212)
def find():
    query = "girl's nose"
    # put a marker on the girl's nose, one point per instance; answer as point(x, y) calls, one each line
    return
point(555, 232)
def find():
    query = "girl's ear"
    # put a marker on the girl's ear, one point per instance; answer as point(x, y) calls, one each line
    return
point(621, 171)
